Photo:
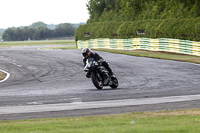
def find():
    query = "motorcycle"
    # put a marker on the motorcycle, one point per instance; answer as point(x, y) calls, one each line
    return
point(99, 75)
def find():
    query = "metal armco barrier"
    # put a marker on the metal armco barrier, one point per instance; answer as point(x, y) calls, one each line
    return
point(161, 44)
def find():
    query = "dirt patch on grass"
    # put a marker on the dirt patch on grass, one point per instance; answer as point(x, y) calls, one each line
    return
point(2, 75)
point(176, 113)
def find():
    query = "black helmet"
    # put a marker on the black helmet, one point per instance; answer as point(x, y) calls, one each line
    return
point(85, 51)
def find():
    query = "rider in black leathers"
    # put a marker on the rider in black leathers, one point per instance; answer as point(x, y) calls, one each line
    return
point(87, 53)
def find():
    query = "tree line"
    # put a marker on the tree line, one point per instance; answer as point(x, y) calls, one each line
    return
point(38, 31)
point(178, 19)
point(185, 29)
point(131, 10)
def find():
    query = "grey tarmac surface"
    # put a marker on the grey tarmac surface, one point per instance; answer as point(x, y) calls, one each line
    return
point(44, 77)
point(103, 111)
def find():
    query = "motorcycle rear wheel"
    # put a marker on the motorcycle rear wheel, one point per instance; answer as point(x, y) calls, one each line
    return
point(97, 83)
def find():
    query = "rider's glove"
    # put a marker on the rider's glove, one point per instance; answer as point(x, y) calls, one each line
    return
point(101, 61)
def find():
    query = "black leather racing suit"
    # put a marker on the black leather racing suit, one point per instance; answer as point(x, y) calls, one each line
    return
point(98, 58)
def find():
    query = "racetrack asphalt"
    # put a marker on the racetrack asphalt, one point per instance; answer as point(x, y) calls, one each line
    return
point(46, 77)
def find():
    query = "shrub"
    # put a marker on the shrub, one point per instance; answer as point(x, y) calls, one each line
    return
point(187, 29)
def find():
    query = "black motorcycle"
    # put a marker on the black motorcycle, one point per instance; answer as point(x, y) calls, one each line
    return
point(99, 75)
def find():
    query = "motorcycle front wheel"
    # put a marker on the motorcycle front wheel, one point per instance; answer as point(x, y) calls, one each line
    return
point(115, 83)
point(98, 83)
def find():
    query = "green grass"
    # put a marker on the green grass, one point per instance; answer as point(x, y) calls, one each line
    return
point(31, 43)
point(2, 75)
point(68, 47)
point(143, 53)
point(158, 55)
point(182, 121)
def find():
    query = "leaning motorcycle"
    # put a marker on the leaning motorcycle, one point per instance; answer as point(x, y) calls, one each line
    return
point(99, 75)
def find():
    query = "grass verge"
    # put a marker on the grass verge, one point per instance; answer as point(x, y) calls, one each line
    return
point(70, 47)
point(2, 75)
point(33, 43)
point(184, 121)
point(158, 55)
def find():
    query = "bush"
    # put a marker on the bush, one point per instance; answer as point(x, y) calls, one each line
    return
point(187, 29)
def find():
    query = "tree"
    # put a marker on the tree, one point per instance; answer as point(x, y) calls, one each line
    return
point(38, 31)
point(130, 10)
point(38, 24)
point(63, 30)
point(8, 34)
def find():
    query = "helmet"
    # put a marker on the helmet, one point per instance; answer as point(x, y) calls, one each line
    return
point(85, 51)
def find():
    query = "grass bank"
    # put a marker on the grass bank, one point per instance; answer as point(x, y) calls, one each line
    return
point(34, 43)
point(184, 121)
point(158, 55)
point(67, 47)
point(2, 75)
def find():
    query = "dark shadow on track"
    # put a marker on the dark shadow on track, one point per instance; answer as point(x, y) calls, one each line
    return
point(104, 89)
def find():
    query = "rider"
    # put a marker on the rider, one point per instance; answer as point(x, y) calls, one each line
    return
point(87, 53)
